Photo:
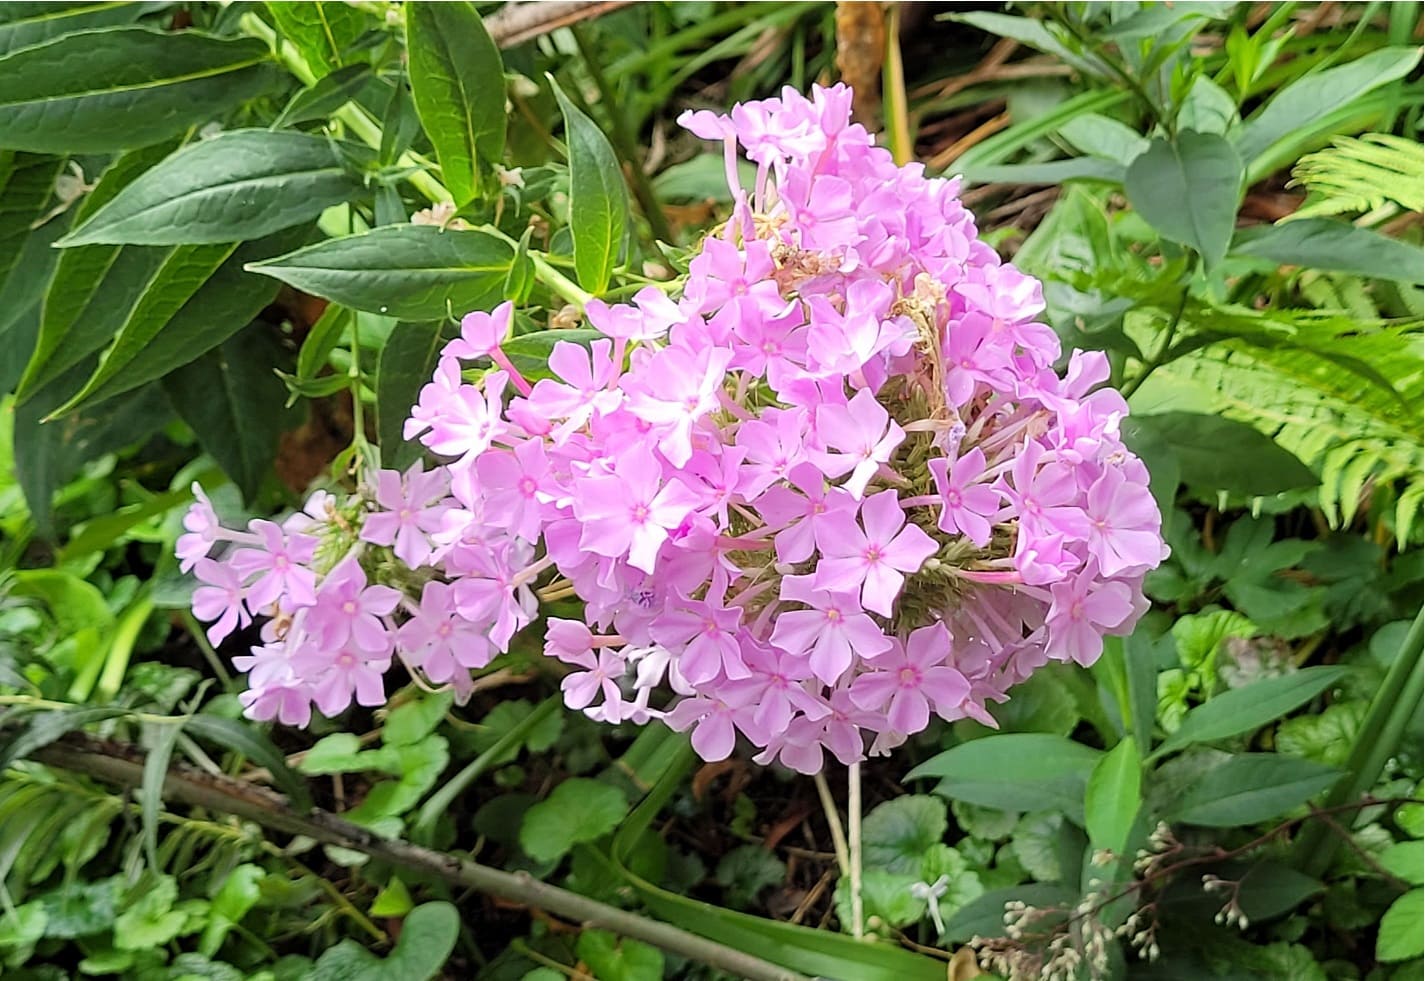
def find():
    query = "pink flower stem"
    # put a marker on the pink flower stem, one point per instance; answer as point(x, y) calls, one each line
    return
point(498, 356)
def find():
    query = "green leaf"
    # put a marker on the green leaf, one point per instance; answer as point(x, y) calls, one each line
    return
point(149, 919)
point(1188, 190)
point(458, 83)
point(885, 896)
point(1216, 453)
point(1326, 736)
point(897, 833)
point(1207, 108)
point(1337, 246)
point(1249, 788)
point(1104, 137)
point(414, 720)
point(393, 900)
point(93, 287)
point(155, 772)
point(26, 24)
point(26, 184)
point(233, 401)
point(243, 738)
point(126, 87)
point(1296, 106)
point(1114, 796)
point(1405, 860)
point(47, 455)
point(578, 810)
point(1015, 772)
point(598, 199)
point(529, 353)
point(984, 915)
point(746, 871)
point(238, 894)
point(1402, 928)
point(42, 728)
point(411, 272)
point(235, 186)
point(1270, 889)
point(339, 752)
point(325, 97)
point(612, 959)
point(82, 909)
point(154, 341)
point(322, 30)
point(428, 936)
point(1245, 709)
point(406, 363)
point(325, 334)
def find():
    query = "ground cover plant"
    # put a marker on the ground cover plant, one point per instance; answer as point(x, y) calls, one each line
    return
point(488, 494)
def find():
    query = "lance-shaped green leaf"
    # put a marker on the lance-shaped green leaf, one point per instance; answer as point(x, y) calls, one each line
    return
point(27, 23)
point(126, 87)
point(26, 183)
point(1188, 190)
point(1113, 796)
point(148, 348)
point(234, 402)
point(458, 82)
point(1249, 788)
point(598, 199)
point(1339, 246)
point(406, 363)
point(94, 286)
point(320, 29)
point(411, 272)
point(324, 97)
point(236, 186)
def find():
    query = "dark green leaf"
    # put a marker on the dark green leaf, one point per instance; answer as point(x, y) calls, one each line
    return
point(325, 334)
point(1216, 453)
point(1015, 771)
point(243, 738)
point(325, 97)
point(412, 272)
point(1245, 709)
point(229, 300)
point(1249, 788)
point(1338, 246)
point(407, 362)
point(1053, 172)
point(1113, 797)
point(101, 91)
point(26, 184)
point(746, 871)
point(984, 915)
point(233, 401)
point(236, 186)
point(39, 729)
point(47, 455)
point(1270, 889)
point(598, 199)
point(94, 287)
point(1296, 106)
point(322, 30)
point(529, 353)
point(578, 810)
point(1188, 190)
point(29, 23)
point(458, 82)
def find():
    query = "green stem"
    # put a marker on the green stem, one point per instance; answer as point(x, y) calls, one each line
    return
point(442, 800)
point(1161, 358)
point(1134, 85)
point(1391, 710)
point(624, 142)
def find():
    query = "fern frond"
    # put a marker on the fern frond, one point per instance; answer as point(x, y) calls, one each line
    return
point(1361, 175)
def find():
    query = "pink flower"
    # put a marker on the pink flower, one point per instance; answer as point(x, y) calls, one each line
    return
point(281, 565)
point(834, 630)
point(912, 678)
point(874, 560)
point(863, 432)
point(220, 600)
point(1123, 524)
point(630, 511)
point(965, 506)
point(348, 611)
point(441, 642)
point(403, 500)
point(1081, 614)
point(481, 333)
point(203, 527)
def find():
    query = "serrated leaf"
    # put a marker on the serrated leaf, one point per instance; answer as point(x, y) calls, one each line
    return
point(1114, 796)
point(411, 272)
point(1014, 771)
point(458, 84)
point(148, 348)
point(406, 363)
point(321, 30)
point(598, 198)
point(1188, 190)
point(1216, 453)
point(578, 810)
point(233, 401)
point(1249, 788)
point(1337, 246)
point(236, 186)
point(28, 23)
point(120, 88)
point(896, 834)
point(1245, 709)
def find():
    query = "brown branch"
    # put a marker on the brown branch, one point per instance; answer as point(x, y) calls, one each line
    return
point(122, 764)
point(516, 23)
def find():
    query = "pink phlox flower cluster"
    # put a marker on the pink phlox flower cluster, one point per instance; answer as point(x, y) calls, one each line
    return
point(832, 487)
